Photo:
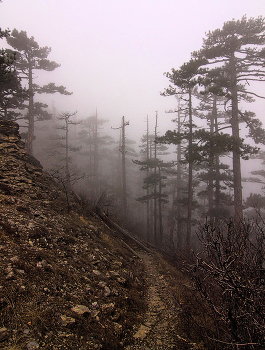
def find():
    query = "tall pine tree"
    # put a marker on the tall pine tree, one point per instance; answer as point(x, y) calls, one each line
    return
point(30, 57)
point(237, 52)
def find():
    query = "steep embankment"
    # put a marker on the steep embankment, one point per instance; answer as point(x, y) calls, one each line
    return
point(68, 280)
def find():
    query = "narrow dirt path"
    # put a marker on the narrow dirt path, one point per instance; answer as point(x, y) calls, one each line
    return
point(160, 327)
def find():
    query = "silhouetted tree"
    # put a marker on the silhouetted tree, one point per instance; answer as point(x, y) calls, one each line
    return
point(12, 95)
point(66, 118)
point(237, 52)
point(95, 150)
point(30, 57)
point(185, 79)
point(153, 183)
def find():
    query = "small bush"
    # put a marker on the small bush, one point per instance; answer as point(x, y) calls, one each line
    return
point(229, 273)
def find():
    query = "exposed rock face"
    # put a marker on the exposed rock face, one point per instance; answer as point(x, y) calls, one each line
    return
point(17, 168)
point(11, 144)
point(52, 260)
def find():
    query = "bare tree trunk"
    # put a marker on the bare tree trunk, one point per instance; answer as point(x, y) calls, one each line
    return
point(67, 172)
point(190, 188)
point(65, 116)
point(96, 162)
point(172, 220)
point(179, 209)
point(160, 240)
point(155, 188)
point(211, 164)
point(90, 179)
point(151, 202)
point(30, 136)
point(148, 233)
point(217, 177)
point(124, 189)
point(238, 206)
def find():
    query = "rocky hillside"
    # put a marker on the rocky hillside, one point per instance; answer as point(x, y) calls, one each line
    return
point(67, 281)
point(71, 278)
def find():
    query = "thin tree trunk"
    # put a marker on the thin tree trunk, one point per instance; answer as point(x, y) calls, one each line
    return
point(155, 187)
point(211, 164)
point(124, 189)
point(179, 175)
point(30, 136)
point(96, 173)
point(217, 177)
point(147, 189)
point(151, 202)
point(190, 188)
point(172, 219)
point(90, 179)
point(238, 206)
point(160, 240)
point(68, 180)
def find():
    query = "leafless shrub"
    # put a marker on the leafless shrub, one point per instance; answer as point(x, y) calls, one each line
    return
point(229, 273)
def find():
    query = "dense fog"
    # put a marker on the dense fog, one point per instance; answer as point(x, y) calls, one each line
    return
point(94, 113)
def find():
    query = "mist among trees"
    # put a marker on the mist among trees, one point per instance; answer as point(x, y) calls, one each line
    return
point(175, 190)
point(168, 184)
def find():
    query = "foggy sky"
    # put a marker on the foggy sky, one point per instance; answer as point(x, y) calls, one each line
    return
point(113, 52)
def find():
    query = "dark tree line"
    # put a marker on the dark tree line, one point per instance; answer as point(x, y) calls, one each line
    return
point(19, 65)
point(176, 192)
point(229, 59)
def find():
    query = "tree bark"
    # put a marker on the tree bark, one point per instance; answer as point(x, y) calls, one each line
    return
point(30, 136)
point(148, 233)
point(217, 177)
point(190, 188)
point(160, 240)
point(96, 156)
point(155, 188)
point(124, 187)
point(211, 164)
point(238, 206)
point(179, 209)
point(67, 172)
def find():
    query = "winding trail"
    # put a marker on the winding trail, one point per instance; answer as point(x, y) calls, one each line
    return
point(166, 322)
point(160, 327)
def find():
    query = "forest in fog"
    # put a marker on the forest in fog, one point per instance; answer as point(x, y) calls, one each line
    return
point(151, 126)
point(159, 186)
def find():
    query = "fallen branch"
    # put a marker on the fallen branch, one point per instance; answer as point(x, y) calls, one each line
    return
point(116, 227)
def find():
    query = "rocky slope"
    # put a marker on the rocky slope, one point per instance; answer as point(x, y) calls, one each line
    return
point(71, 278)
point(67, 281)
